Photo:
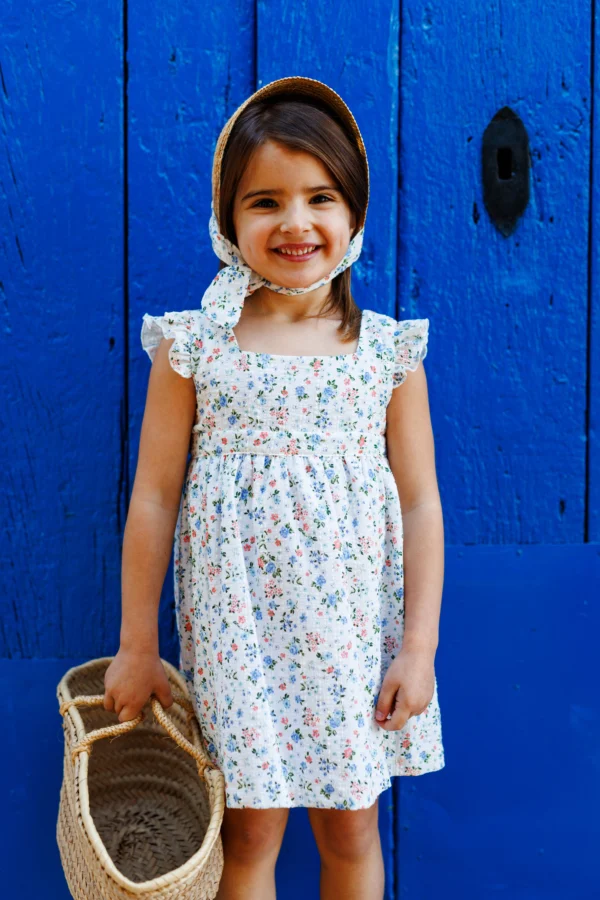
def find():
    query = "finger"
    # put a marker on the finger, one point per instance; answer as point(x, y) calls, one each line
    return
point(126, 714)
point(400, 717)
point(165, 696)
point(385, 700)
point(109, 702)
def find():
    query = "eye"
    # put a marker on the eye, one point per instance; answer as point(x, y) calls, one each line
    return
point(257, 205)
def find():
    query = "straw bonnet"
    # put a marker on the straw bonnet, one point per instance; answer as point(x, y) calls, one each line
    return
point(297, 84)
point(223, 300)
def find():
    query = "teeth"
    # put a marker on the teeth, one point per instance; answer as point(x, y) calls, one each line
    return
point(297, 252)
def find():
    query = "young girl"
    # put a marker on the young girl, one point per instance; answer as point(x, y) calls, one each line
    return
point(311, 483)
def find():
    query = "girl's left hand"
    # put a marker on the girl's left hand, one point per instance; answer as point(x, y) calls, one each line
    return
point(407, 688)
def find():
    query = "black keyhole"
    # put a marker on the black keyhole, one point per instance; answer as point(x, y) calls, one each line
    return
point(505, 168)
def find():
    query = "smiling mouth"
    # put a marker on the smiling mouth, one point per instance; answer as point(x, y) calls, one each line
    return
point(298, 255)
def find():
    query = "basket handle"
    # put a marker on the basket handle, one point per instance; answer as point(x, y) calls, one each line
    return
point(114, 730)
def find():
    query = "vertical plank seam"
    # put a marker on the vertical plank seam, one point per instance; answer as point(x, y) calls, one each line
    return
point(124, 476)
point(587, 525)
point(395, 829)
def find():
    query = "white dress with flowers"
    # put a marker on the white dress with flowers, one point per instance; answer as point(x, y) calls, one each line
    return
point(288, 572)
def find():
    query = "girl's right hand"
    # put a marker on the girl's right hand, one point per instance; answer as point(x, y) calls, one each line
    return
point(130, 679)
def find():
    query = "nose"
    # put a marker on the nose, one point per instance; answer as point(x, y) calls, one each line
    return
point(296, 218)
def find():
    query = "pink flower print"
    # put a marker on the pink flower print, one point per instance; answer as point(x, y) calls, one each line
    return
point(314, 639)
point(192, 510)
point(220, 656)
point(365, 543)
point(249, 735)
point(284, 720)
point(300, 512)
point(280, 414)
point(261, 562)
point(348, 753)
point(390, 643)
point(309, 718)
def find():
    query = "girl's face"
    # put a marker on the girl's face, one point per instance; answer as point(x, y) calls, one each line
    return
point(289, 198)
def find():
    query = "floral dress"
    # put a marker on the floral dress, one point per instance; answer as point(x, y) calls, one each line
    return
point(288, 572)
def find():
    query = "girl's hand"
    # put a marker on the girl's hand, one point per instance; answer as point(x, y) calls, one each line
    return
point(130, 679)
point(407, 688)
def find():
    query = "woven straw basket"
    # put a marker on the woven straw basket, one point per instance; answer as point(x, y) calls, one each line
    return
point(140, 816)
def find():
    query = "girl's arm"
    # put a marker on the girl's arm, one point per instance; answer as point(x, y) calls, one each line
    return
point(411, 455)
point(409, 683)
point(169, 415)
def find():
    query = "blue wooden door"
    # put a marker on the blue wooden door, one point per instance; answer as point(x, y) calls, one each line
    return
point(109, 114)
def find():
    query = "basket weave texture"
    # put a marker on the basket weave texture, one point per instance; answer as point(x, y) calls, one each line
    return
point(141, 803)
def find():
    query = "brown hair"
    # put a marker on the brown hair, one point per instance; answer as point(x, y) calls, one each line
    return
point(312, 126)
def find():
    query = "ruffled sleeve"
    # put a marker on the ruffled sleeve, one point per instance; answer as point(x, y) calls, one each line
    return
point(178, 325)
point(410, 345)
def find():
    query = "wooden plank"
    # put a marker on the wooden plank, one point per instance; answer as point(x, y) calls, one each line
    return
point(592, 531)
point(355, 51)
point(513, 813)
point(189, 68)
point(521, 741)
point(62, 334)
point(508, 315)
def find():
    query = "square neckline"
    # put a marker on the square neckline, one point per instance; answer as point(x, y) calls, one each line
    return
point(290, 356)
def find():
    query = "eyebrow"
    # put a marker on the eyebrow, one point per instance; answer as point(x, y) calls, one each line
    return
point(310, 190)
